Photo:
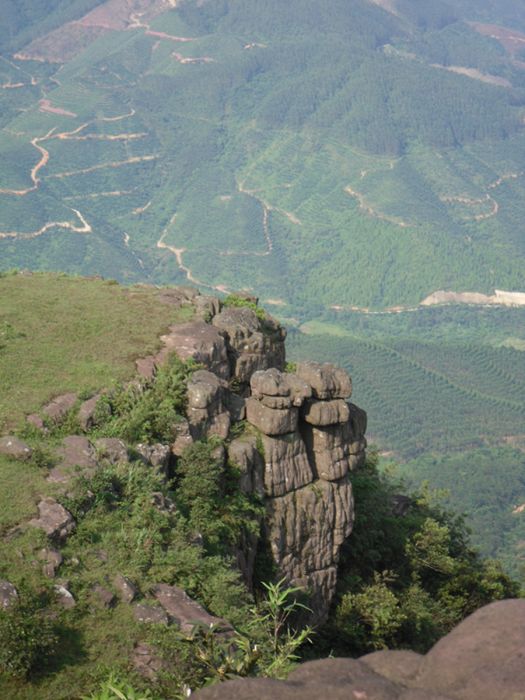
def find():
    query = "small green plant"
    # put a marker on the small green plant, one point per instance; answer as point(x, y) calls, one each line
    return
point(238, 301)
point(116, 689)
point(271, 632)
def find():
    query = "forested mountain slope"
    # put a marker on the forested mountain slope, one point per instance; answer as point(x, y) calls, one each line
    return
point(245, 144)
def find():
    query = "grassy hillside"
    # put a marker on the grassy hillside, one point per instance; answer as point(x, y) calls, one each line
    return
point(60, 334)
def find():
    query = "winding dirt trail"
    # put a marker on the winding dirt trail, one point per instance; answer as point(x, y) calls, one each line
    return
point(178, 253)
point(367, 209)
point(84, 228)
point(472, 202)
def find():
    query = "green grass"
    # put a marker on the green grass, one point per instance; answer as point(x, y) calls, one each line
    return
point(24, 482)
point(60, 334)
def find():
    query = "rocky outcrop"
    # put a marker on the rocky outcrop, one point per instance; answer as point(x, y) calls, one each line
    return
point(482, 659)
point(8, 595)
point(207, 412)
point(310, 438)
point(185, 612)
point(11, 446)
point(53, 519)
point(253, 343)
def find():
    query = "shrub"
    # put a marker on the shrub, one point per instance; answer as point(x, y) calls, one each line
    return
point(27, 637)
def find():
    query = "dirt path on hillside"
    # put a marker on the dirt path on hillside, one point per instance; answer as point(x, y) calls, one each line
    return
point(178, 253)
point(472, 202)
point(370, 211)
point(84, 228)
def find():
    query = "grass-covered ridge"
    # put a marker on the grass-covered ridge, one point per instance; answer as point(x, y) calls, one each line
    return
point(60, 334)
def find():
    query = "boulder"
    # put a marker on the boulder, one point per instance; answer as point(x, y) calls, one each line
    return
point(127, 591)
point(336, 679)
point(206, 307)
point(483, 658)
point(157, 456)
point(183, 438)
point(146, 662)
point(253, 343)
point(54, 520)
point(112, 449)
point(64, 596)
point(36, 421)
point(76, 453)
point(52, 559)
point(86, 412)
point(200, 341)
point(323, 413)
point(271, 421)
point(277, 389)
point(184, 611)
point(327, 381)
point(400, 666)
point(57, 409)
point(102, 597)
point(206, 411)
point(150, 614)
point(11, 446)
point(8, 595)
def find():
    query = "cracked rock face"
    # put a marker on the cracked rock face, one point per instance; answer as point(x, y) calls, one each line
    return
point(311, 438)
point(53, 519)
point(253, 344)
point(207, 412)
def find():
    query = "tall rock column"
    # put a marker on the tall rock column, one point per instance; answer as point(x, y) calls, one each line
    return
point(309, 435)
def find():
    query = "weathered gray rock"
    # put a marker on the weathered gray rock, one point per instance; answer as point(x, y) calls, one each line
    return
point(184, 611)
point(103, 597)
point(8, 595)
point(183, 437)
point(77, 451)
point(58, 408)
point(52, 559)
point(36, 421)
point(400, 666)
point(156, 456)
point(253, 344)
point(146, 367)
point(112, 449)
point(326, 380)
point(150, 614)
point(12, 446)
point(286, 465)
point(207, 412)
point(75, 454)
point(483, 658)
point(146, 662)
point(277, 389)
point(64, 596)
point(127, 591)
point(243, 453)
point(333, 679)
point(162, 502)
point(323, 413)
point(200, 341)
point(53, 519)
point(308, 526)
point(206, 307)
point(271, 421)
point(86, 412)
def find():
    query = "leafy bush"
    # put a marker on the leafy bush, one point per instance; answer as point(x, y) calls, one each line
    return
point(28, 637)
point(147, 413)
point(238, 301)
